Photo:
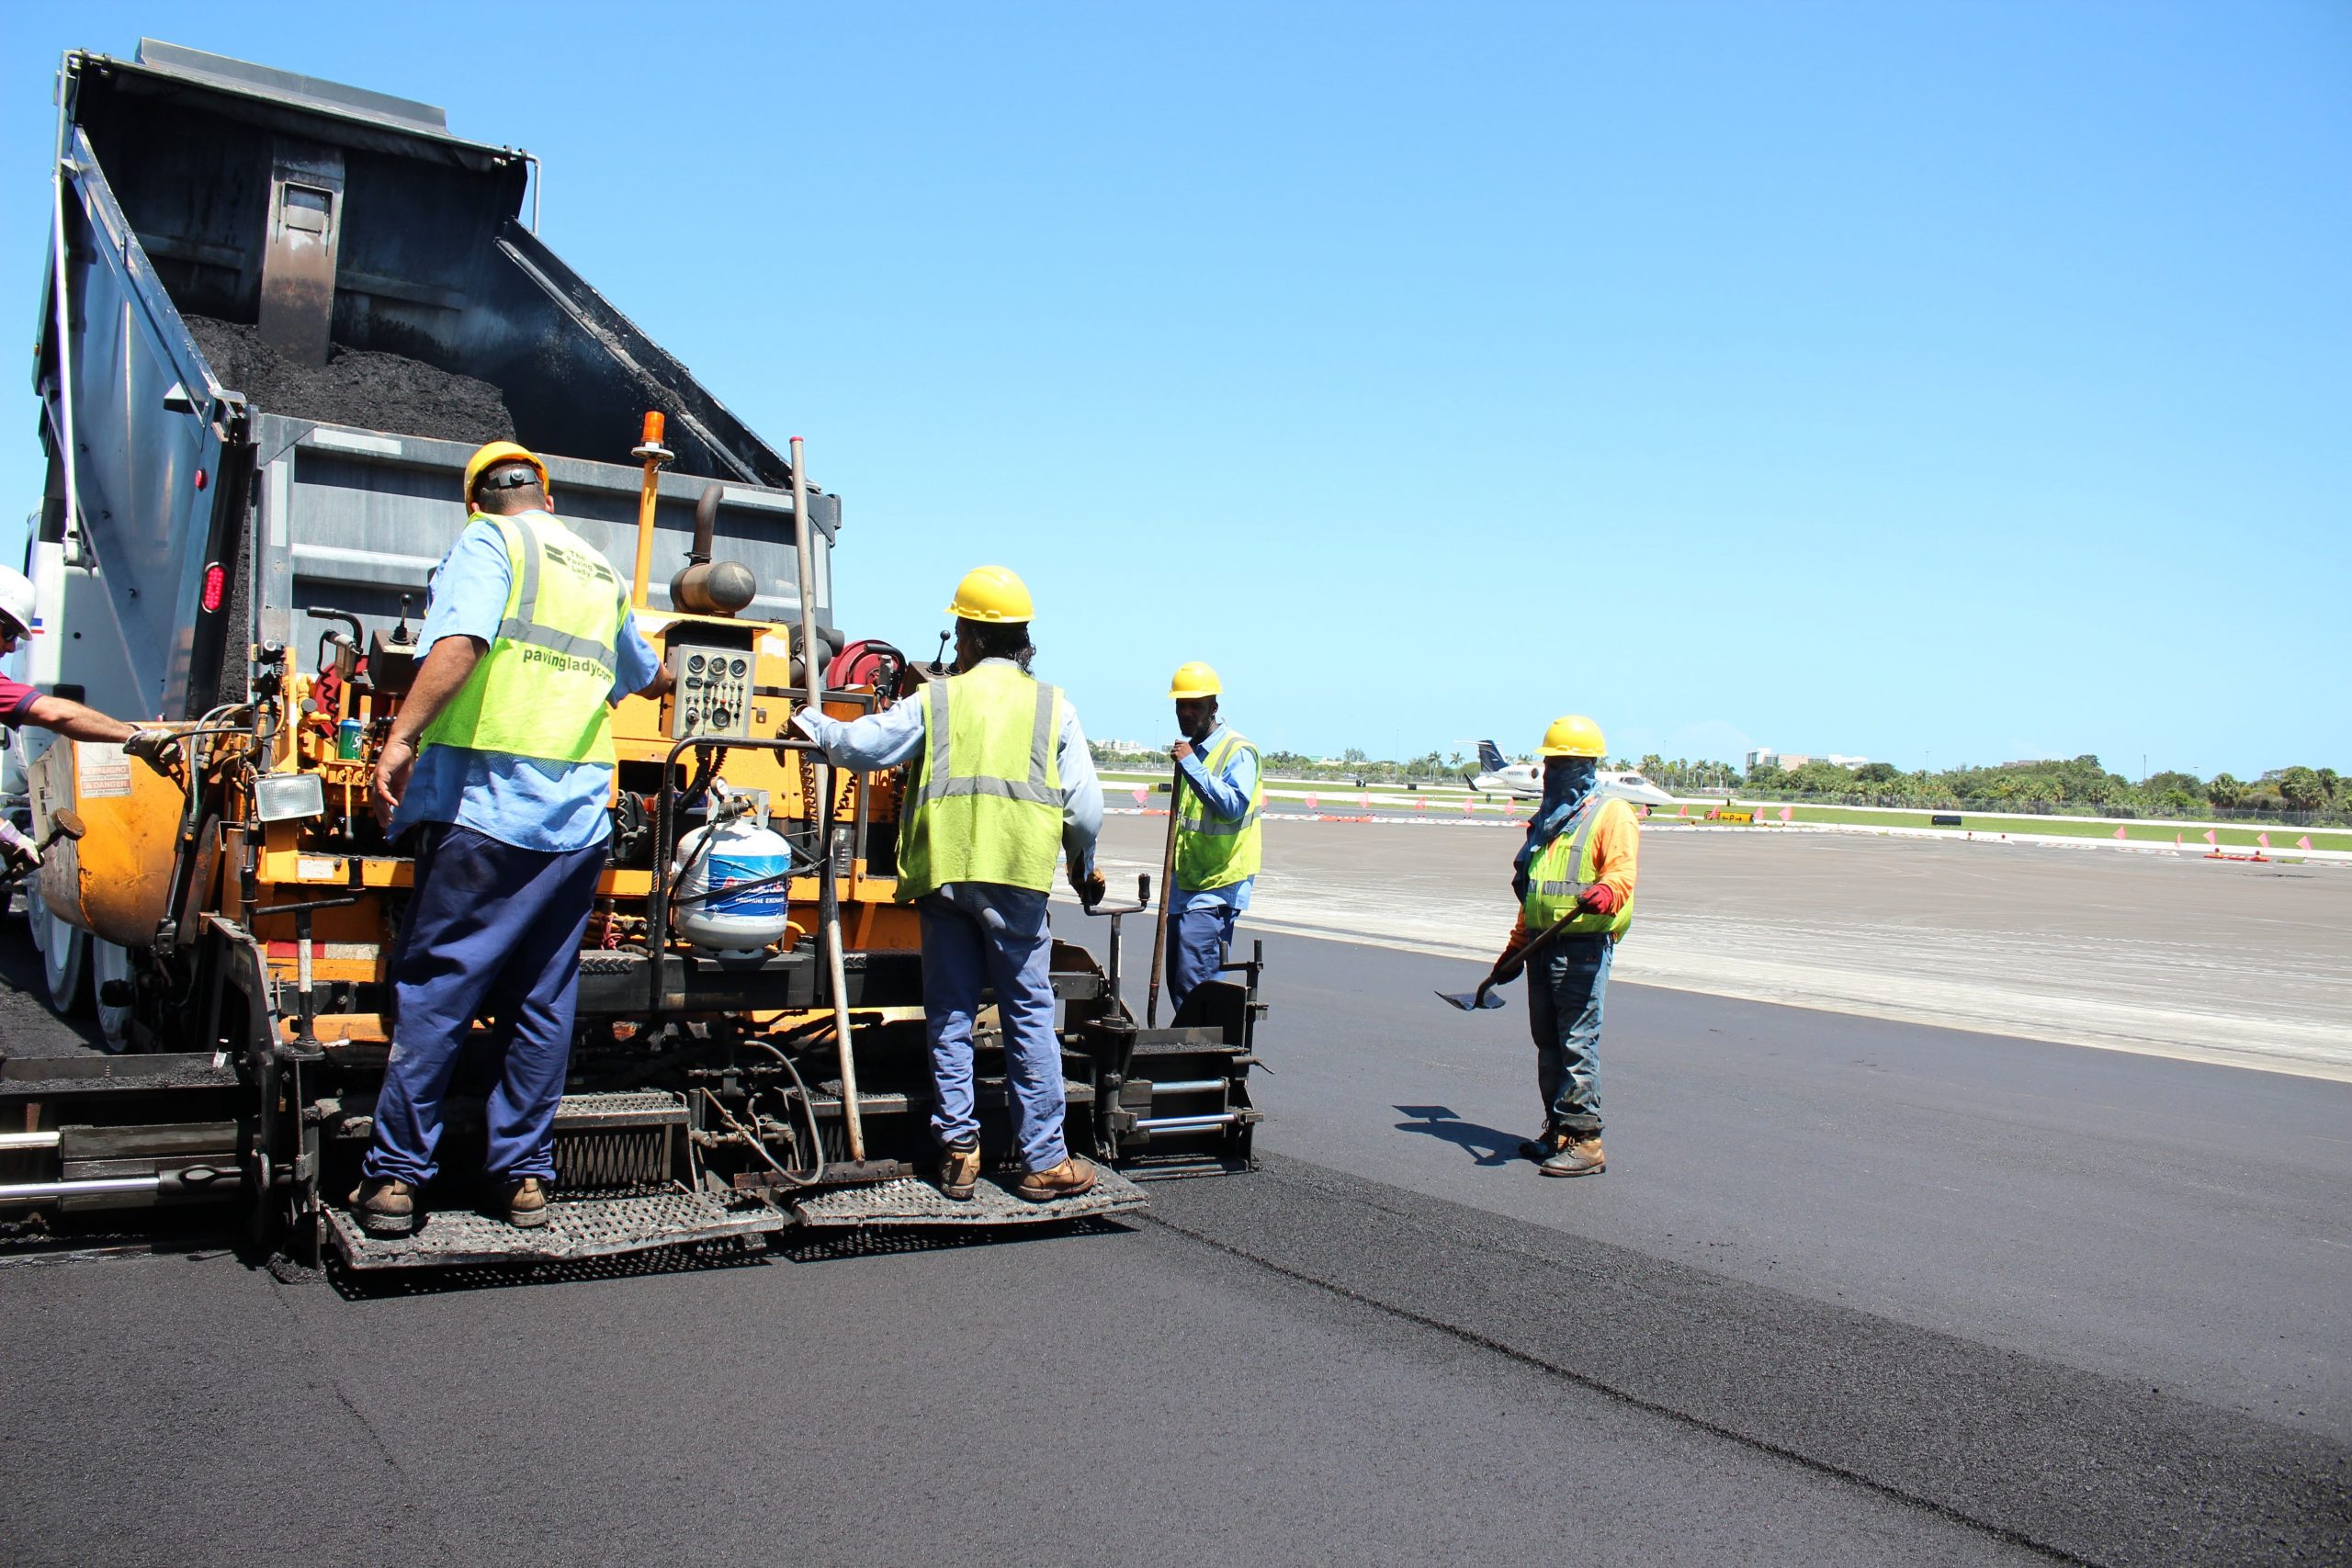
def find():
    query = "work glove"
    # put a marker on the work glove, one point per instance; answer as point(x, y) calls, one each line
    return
point(1089, 886)
point(1508, 967)
point(159, 749)
point(1601, 898)
point(19, 854)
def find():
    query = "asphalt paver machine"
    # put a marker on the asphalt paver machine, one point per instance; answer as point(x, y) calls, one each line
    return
point(280, 316)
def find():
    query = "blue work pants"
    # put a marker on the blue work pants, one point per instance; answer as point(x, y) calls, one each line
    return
point(976, 936)
point(491, 931)
point(1565, 983)
point(1198, 934)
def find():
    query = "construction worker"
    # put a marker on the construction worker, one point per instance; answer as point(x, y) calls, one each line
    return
point(999, 778)
point(22, 704)
point(500, 758)
point(1217, 833)
point(1575, 872)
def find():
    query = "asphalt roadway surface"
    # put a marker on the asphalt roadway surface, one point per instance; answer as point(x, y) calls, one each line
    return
point(1853, 1291)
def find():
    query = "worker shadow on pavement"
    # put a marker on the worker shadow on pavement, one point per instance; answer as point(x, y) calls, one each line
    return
point(1491, 1145)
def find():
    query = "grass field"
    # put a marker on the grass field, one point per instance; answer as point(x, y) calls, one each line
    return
point(1341, 796)
point(2191, 835)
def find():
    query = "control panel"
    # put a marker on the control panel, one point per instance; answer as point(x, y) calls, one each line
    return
point(714, 690)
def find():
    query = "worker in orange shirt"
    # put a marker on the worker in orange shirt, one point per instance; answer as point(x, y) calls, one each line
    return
point(1576, 872)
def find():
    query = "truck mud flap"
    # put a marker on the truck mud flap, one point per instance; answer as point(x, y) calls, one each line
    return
point(907, 1201)
point(576, 1228)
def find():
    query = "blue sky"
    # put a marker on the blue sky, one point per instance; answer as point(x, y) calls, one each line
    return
point(1965, 379)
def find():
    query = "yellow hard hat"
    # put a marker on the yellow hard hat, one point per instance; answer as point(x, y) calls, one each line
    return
point(1195, 680)
point(499, 451)
point(992, 593)
point(1573, 735)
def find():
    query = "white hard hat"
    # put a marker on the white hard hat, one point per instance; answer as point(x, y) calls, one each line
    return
point(16, 599)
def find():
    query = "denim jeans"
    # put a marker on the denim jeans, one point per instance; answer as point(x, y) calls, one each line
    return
point(1565, 984)
point(964, 950)
point(1198, 934)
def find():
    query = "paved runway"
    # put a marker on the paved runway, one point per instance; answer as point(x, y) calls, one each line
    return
point(1851, 1291)
point(2203, 959)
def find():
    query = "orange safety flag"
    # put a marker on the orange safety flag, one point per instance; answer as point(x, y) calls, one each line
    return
point(1313, 804)
point(1786, 814)
point(2263, 839)
point(2304, 843)
point(1420, 805)
point(1142, 795)
point(1468, 806)
point(2209, 837)
point(2118, 832)
point(1364, 801)
point(1682, 811)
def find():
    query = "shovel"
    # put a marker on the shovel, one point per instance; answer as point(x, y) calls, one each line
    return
point(1484, 1000)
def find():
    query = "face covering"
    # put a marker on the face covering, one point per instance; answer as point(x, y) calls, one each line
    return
point(1567, 786)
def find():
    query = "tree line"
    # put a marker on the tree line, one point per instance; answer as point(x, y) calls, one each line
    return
point(2081, 786)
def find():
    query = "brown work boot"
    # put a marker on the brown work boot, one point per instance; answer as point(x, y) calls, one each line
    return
point(1067, 1180)
point(1542, 1147)
point(527, 1202)
point(959, 1169)
point(1580, 1157)
point(385, 1207)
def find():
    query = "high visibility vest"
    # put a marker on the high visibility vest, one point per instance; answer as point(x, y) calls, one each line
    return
point(1562, 870)
point(1210, 851)
point(541, 690)
point(984, 796)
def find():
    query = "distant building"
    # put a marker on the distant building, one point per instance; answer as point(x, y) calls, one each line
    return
point(1127, 748)
point(1788, 761)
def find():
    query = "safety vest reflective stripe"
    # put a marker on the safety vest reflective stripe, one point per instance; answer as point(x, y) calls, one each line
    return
point(542, 688)
point(940, 783)
point(1216, 852)
point(987, 809)
point(1551, 898)
point(521, 625)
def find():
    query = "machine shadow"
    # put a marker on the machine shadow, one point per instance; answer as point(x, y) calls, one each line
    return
point(1492, 1145)
point(785, 1246)
point(378, 1284)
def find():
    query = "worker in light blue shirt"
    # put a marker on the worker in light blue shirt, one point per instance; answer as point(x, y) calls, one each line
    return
point(986, 802)
point(1218, 839)
point(501, 759)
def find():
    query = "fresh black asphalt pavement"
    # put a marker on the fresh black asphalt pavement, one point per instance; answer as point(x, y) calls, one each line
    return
point(1851, 1291)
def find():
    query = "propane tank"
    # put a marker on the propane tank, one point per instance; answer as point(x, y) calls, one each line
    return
point(729, 849)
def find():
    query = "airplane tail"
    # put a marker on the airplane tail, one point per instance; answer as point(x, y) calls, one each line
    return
point(1490, 757)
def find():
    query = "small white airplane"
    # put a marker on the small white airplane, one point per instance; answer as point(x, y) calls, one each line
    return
point(1525, 779)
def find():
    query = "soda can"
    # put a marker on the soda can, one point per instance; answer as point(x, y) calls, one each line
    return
point(347, 740)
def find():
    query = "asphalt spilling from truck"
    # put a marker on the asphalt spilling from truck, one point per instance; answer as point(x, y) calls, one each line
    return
point(370, 390)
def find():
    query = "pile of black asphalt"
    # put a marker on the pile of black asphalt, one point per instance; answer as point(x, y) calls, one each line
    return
point(357, 387)
point(2070, 1464)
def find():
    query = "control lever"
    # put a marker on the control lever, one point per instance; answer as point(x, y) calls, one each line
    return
point(1114, 913)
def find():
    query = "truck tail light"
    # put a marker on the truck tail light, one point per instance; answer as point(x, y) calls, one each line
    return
point(215, 580)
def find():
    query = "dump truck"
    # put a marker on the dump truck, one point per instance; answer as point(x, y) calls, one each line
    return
point(280, 315)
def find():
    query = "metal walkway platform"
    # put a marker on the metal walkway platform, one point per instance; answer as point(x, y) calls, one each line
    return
point(576, 1228)
point(907, 1201)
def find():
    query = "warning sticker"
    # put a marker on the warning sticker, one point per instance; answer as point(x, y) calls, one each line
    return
point(102, 769)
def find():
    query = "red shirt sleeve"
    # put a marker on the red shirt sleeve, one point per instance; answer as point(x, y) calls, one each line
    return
point(15, 698)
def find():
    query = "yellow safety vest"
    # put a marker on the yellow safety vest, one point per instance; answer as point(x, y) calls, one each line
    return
point(984, 796)
point(1552, 892)
point(542, 689)
point(1210, 851)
